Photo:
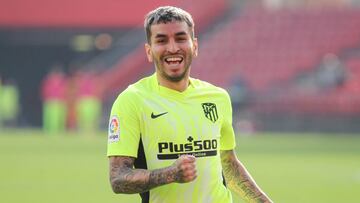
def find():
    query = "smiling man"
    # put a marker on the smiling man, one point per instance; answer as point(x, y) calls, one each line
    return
point(170, 135)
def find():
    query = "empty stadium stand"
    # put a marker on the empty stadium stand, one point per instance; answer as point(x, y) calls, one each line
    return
point(270, 47)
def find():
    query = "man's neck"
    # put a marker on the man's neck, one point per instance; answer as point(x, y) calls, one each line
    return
point(179, 86)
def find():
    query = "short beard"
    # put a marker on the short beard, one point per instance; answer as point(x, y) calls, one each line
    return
point(173, 78)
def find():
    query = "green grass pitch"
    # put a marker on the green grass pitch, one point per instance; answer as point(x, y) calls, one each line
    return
point(72, 168)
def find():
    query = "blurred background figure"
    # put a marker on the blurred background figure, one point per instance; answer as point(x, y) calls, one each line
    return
point(88, 102)
point(331, 73)
point(71, 97)
point(54, 103)
point(9, 103)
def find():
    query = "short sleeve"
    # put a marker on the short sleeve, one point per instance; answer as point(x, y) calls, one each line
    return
point(227, 139)
point(124, 126)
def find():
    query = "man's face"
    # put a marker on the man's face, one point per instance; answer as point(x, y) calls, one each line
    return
point(171, 49)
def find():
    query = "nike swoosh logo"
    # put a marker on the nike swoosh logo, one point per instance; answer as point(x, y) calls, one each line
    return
point(153, 116)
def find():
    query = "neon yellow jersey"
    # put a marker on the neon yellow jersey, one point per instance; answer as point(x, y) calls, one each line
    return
point(156, 125)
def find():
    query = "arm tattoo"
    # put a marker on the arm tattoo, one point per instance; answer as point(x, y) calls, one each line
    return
point(162, 176)
point(239, 179)
point(125, 179)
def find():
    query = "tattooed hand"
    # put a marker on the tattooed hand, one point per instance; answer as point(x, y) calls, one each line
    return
point(125, 179)
point(185, 169)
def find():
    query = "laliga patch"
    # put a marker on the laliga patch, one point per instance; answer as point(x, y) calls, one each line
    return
point(114, 129)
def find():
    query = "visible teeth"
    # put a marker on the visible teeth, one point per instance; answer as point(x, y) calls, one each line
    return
point(173, 59)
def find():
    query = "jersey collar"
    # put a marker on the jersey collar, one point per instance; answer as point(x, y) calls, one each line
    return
point(167, 92)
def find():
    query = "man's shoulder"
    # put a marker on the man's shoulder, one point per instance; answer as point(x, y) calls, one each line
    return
point(144, 83)
point(141, 85)
point(132, 92)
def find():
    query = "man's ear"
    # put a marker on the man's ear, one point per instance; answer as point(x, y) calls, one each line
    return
point(196, 47)
point(148, 52)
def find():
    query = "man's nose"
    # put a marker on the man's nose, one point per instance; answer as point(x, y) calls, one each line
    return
point(172, 47)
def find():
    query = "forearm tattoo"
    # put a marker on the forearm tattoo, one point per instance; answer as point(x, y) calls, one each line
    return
point(162, 176)
point(125, 179)
point(239, 180)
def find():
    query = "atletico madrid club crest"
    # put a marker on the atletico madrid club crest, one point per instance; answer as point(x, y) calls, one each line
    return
point(210, 111)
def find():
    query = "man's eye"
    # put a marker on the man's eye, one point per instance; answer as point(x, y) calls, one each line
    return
point(181, 39)
point(160, 40)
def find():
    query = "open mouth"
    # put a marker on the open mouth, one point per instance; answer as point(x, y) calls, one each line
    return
point(174, 60)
